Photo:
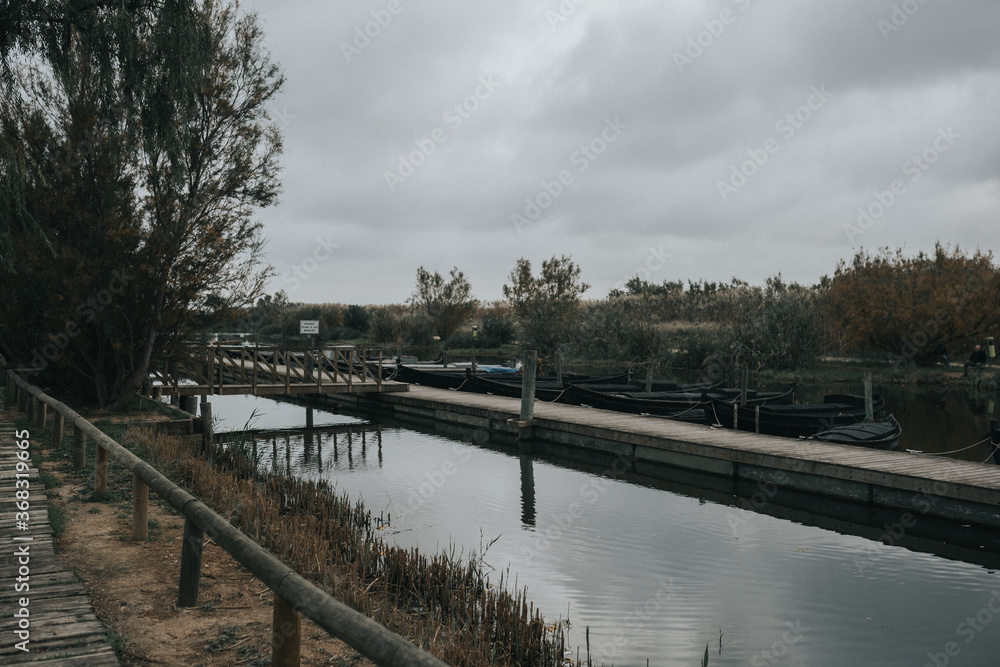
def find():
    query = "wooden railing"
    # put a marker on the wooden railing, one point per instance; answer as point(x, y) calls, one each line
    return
point(294, 596)
point(214, 369)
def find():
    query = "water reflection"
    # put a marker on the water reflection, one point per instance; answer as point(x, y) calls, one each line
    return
point(527, 491)
point(661, 560)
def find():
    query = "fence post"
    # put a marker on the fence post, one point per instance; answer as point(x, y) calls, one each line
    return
point(41, 412)
point(100, 471)
point(140, 509)
point(29, 409)
point(286, 634)
point(79, 448)
point(58, 424)
point(187, 594)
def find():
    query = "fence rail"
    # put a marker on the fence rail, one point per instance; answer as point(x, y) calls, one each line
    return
point(293, 594)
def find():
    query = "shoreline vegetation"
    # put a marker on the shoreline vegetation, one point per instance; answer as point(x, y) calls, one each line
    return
point(447, 603)
point(907, 319)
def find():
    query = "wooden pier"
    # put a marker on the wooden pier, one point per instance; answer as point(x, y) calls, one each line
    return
point(63, 630)
point(262, 371)
point(957, 491)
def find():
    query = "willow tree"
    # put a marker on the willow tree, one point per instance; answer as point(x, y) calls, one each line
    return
point(135, 162)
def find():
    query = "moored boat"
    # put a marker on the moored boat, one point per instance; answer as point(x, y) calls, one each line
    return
point(873, 434)
point(794, 420)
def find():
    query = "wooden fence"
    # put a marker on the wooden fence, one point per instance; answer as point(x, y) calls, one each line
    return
point(294, 596)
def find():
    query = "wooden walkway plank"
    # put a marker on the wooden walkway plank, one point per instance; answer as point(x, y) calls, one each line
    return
point(63, 630)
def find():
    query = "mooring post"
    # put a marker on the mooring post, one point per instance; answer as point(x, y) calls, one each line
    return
point(140, 509)
point(79, 448)
point(194, 538)
point(309, 416)
point(868, 397)
point(208, 435)
point(756, 419)
point(286, 634)
point(58, 424)
point(559, 373)
point(100, 471)
point(736, 415)
point(746, 381)
point(649, 377)
point(528, 386)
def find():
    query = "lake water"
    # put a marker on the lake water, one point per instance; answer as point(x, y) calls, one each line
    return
point(654, 573)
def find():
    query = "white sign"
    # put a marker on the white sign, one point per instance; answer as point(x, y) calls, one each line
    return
point(308, 326)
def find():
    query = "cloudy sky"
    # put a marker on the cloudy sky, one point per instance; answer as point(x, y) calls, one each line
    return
point(673, 139)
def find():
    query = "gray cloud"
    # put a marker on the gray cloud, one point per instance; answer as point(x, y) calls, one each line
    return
point(553, 86)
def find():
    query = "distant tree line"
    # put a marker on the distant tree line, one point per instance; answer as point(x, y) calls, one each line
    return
point(882, 305)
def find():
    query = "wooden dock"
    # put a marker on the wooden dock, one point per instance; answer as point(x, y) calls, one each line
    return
point(922, 485)
point(232, 370)
point(62, 629)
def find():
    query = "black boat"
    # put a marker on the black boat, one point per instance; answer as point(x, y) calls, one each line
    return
point(544, 390)
point(874, 434)
point(666, 403)
point(795, 420)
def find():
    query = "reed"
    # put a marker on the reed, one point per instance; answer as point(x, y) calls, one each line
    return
point(443, 602)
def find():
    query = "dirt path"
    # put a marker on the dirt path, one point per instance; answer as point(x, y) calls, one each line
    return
point(133, 587)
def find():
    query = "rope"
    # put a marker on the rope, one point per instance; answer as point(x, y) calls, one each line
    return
point(954, 451)
point(991, 454)
point(986, 439)
point(685, 411)
point(716, 415)
point(556, 399)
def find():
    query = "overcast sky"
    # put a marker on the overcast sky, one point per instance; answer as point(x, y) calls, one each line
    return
point(676, 139)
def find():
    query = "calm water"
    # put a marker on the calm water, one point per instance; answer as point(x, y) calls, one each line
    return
point(655, 574)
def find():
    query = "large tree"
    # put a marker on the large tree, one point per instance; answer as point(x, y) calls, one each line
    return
point(448, 303)
point(547, 306)
point(141, 167)
point(913, 308)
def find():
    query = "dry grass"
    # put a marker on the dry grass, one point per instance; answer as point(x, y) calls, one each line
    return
point(441, 602)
